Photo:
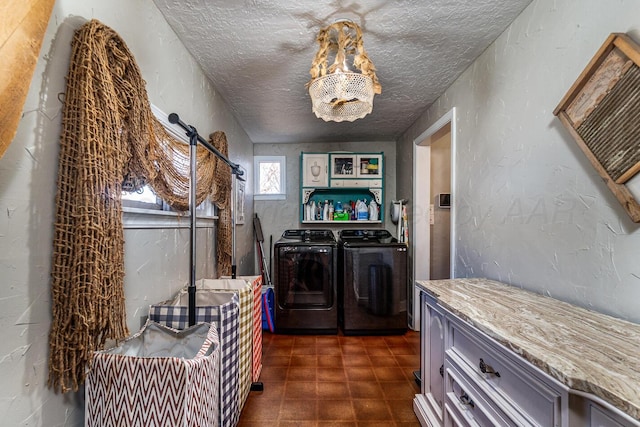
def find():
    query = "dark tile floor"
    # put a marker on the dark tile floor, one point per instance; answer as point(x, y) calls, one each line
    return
point(335, 380)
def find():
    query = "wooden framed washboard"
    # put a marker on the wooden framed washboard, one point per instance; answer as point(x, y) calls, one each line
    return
point(602, 113)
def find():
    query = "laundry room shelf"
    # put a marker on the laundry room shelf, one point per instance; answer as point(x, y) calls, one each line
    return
point(344, 177)
point(343, 222)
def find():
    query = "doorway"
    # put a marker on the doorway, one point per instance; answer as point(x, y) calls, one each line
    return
point(428, 243)
point(440, 204)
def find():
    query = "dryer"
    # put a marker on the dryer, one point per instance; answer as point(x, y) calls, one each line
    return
point(372, 291)
point(305, 282)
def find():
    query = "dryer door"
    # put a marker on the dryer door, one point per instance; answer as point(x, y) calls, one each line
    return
point(304, 277)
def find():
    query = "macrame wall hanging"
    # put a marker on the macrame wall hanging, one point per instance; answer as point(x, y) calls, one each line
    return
point(110, 138)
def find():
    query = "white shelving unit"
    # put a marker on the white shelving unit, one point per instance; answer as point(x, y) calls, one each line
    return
point(344, 177)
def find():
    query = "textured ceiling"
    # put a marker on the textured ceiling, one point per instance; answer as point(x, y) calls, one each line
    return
point(258, 53)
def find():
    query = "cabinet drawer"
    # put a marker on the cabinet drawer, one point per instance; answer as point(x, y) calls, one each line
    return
point(453, 417)
point(356, 183)
point(518, 389)
point(599, 418)
point(464, 406)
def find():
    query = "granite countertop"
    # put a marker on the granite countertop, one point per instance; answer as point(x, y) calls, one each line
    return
point(586, 350)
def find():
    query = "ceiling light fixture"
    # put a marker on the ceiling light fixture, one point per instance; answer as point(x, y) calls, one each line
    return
point(337, 92)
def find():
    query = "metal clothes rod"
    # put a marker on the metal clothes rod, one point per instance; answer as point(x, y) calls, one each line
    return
point(194, 138)
point(191, 131)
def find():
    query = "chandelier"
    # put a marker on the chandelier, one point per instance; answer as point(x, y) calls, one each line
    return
point(339, 93)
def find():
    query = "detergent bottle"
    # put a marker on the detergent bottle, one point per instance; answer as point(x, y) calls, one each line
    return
point(373, 211)
point(362, 211)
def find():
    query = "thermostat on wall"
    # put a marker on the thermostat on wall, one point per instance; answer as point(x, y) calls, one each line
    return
point(444, 200)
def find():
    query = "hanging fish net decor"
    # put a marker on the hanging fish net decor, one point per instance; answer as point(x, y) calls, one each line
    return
point(110, 140)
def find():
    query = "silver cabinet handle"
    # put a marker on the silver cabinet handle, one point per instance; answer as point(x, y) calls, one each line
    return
point(466, 400)
point(487, 369)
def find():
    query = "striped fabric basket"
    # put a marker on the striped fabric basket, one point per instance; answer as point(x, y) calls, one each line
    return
point(222, 310)
point(243, 289)
point(256, 368)
point(158, 376)
point(256, 361)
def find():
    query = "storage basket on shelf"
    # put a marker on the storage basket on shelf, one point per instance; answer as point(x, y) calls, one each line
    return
point(223, 311)
point(159, 375)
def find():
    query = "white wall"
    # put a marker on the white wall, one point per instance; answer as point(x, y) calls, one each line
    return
point(156, 260)
point(531, 211)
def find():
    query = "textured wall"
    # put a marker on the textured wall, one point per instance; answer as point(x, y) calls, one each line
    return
point(277, 216)
point(156, 259)
point(531, 211)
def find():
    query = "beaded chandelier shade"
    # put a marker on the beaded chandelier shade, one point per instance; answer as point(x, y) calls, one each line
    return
point(339, 93)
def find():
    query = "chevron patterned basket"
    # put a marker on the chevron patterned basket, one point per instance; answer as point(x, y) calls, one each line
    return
point(159, 376)
point(223, 310)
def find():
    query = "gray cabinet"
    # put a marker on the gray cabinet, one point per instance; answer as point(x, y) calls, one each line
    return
point(429, 404)
point(506, 390)
point(471, 379)
point(586, 410)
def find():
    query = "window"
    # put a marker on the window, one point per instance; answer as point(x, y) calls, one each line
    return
point(269, 177)
point(144, 198)
point(141, 204)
